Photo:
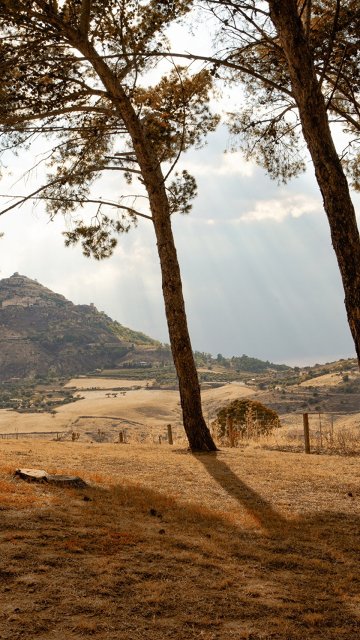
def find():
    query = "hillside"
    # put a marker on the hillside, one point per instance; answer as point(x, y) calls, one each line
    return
point(43, 333)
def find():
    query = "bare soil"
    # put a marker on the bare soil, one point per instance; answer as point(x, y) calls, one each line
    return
point(243, 544)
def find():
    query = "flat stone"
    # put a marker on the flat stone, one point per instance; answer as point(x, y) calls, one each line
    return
point(32, 475)
point(39, 475)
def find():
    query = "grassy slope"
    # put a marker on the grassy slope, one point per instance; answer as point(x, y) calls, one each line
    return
point(245, 545)
point(129, 335)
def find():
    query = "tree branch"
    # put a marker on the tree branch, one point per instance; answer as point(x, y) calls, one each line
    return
point(85, 17)
point(53, 114)
point(219, 62)
point(30, 196)
point(331, 42)
point(108, 203)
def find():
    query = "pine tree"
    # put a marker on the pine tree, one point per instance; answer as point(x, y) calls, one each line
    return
point(78, 73)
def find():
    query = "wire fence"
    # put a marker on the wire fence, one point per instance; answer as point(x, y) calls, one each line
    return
point(321, 432)
point(107, 429)
point(313, 432)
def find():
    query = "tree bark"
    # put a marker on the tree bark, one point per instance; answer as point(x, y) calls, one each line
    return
point(195, 426)
point(328, 170)
point(196, 430)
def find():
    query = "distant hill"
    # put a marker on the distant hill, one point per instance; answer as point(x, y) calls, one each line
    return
point(42, 333)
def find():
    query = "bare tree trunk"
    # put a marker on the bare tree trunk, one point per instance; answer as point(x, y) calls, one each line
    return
point(328, 170)
point(194, 424)
point(196, 430)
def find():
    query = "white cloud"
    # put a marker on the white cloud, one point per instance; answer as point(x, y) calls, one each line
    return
point(278, 209)
point(228, 164)
point(234, 163)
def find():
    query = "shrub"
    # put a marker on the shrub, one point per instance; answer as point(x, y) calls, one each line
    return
point(244, 419)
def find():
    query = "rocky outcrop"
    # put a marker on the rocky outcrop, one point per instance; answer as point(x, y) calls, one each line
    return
point(42, 333)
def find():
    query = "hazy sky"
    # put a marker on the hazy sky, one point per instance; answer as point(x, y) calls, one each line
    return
point(259, 273)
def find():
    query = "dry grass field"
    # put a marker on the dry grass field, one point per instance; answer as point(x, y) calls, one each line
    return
point(326, 380)
point(248, 544)
point(144, 411)
point(245, 544)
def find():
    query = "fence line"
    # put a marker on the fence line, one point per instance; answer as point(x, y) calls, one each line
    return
point(24, 434)
point(121, 435)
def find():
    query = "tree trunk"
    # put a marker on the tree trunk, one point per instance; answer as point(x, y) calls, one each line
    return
point(194, 424)
point(328, 170)
point(196, 430)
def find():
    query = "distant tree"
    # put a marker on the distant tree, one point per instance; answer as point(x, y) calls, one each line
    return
point(78, 73)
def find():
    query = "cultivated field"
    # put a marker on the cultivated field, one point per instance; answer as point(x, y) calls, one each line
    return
point(247, 544)
point(112, 405)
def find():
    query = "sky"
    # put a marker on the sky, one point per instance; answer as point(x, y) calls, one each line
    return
point(259, 273)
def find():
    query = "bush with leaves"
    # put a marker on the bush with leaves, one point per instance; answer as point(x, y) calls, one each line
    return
point(244, 419)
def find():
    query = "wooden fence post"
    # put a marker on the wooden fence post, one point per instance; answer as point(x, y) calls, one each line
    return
point(121, 437)
point(170, 437)
point(320, 430)
point(230, 430)
point(331, 430)
point(306, 432)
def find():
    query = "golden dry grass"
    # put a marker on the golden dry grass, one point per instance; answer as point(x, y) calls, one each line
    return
point(105, 383)
point(245, 544)
point(327, 380)
point(329, 433)
point(146, 411)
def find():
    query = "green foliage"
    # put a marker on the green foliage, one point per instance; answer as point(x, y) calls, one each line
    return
point(128, 335)
point(246, 363)
point(31, 396)
point(238, 364)
point(97, 239)
point(271, 139)
point(181, 192)
point(242, 419)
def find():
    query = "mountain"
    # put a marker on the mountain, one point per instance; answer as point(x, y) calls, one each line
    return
point(42, 333)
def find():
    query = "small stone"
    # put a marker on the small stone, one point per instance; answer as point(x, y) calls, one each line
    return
point(162, 531)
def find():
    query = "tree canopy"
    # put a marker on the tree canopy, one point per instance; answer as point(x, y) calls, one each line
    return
point(299, 64)
point(56, 89)
point(267, 125)
point(82, 75)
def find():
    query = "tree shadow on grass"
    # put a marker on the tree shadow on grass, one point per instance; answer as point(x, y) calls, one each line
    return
point(260, 509)
point(311, 561)
point(130, 563)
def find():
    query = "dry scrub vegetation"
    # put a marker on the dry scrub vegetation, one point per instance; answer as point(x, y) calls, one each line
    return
point(246, 544)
